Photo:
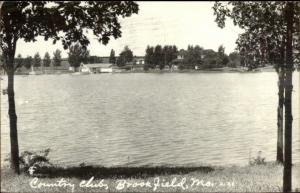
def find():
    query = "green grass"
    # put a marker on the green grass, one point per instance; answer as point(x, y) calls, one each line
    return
point(258, 178)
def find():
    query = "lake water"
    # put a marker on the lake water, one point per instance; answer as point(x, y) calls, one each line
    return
point(149, 119)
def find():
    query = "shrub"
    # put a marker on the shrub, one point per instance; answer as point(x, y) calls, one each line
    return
point(37, 159)
point(259, 160)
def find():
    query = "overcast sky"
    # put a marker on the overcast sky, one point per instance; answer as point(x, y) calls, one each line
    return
point(165, 23)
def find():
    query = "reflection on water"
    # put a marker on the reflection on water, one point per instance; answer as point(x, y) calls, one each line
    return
point(149, 119)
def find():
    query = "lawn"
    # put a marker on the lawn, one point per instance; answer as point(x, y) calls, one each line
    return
point(257, 178)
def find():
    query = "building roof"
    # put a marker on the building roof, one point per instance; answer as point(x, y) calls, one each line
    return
point(99, 65)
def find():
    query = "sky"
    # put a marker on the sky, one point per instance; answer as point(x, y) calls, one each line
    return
point(164, 23)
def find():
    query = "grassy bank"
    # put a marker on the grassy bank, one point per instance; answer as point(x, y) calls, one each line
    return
point(258, 178)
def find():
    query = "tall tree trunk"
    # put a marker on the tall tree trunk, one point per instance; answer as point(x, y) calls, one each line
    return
point(279, 157)
point(287, 171)
point(13, 119)
point(281, 79)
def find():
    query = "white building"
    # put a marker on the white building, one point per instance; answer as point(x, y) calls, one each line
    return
point(96, 68)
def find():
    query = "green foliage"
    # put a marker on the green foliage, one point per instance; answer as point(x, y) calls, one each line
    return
point(112, 57)
point(171, 53)
point(62, 20)
point(234, 59)
point(160, 56)
point(258, 160)
point(222, 59)
point(28, 62)
point(264, 38)
point(149, 62)
point(193, 57)
point(77, 55)
point(185, 59)
point(46, 60)
point(19, 61)
point(57, 58)
point(146, 67)
point(254, 53)
point(36, 159)
point(37, 60)
point(210, 58)
point(94, 59)
point(126, 56)
point(196, 56)
point(45, 20)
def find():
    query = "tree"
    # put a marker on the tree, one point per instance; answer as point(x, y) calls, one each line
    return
point(125, 57)
point(209, 58)
point(60, 20)
point(193, 57)
point(197, 55)
point(112, 57)
point(234, 59)
point(287, 171)
point(174, 54)
point(28, 62)
point(257, 50)
point(158, 56)
point(46, 60)
point(19, 61)
point(270, 27)
point(37, 60)
point(169, 54)
point(57, 58)
point(77, 55)
point(222, 59)
point(149, 62)
point(166, 51)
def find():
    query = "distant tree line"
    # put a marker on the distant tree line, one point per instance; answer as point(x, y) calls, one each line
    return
point(37, 61)
point(194, 57)
point(159, 56)
point(77, 54)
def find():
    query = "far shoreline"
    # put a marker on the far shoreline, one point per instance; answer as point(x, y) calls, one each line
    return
point(157, 71)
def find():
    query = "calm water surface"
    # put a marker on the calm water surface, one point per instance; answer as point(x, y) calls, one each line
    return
point(149, 119)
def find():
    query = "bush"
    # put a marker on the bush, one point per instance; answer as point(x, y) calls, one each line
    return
point(259, 160)
point(209, 65)
point(146, 67)
point(37, 160)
